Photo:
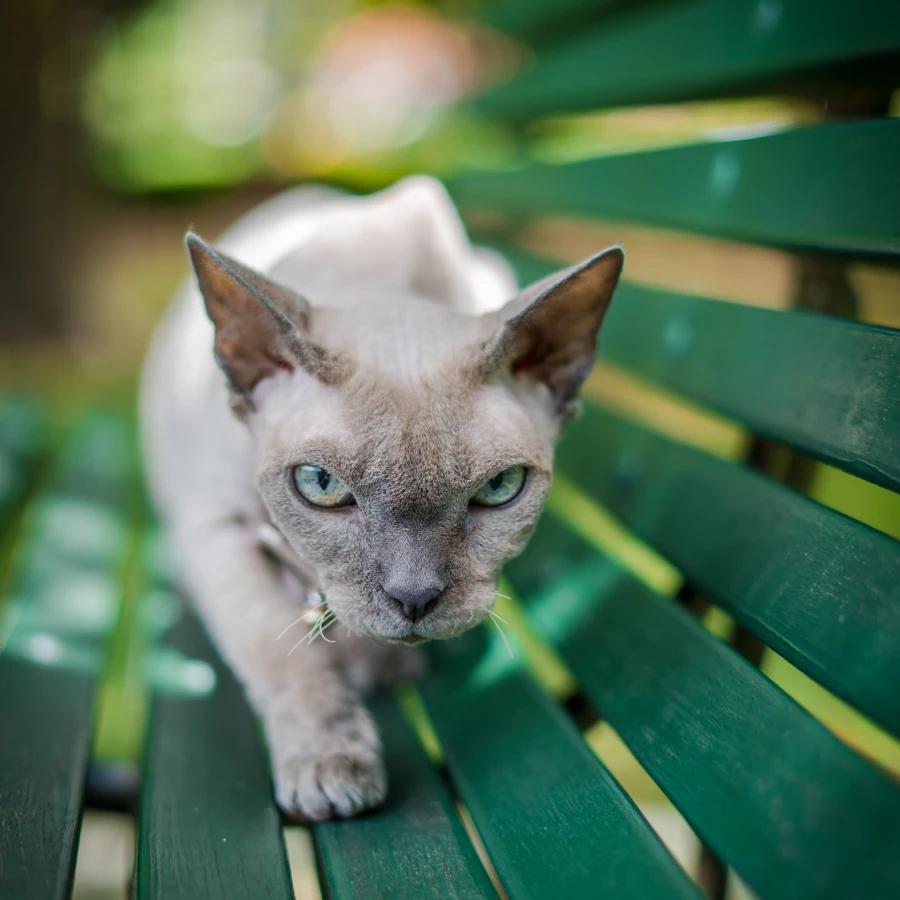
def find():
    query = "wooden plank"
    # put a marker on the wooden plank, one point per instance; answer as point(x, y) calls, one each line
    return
point(23, 426)
point(554, 821)
point(821, 589)
point(695, 49)
point(822, 385)
point(796, 812)
point(53, 636)
point(208, 822)
point(22, 438)
point(195, 794)
point(831, 187)
point(537, 21)
point(413, 847)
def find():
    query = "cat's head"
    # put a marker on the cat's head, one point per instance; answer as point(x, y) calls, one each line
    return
point(405, 449)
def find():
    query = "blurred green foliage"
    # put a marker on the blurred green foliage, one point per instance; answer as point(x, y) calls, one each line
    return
point(191, 94)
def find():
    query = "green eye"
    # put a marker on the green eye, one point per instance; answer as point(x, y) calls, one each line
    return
point(320, 487)
point(502, 488)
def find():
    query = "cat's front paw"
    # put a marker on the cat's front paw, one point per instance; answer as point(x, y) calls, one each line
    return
point(328, 766)
point(329, 786)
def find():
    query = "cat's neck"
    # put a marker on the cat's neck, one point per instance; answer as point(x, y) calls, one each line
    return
point(275, 544)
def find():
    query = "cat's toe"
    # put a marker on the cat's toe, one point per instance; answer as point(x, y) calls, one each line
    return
point(339, 785)
point(352, 785)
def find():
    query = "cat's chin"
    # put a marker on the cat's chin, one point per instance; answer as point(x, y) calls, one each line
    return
point(444, 627)
point(412, 640)
point(406, 640)
point(397, 640)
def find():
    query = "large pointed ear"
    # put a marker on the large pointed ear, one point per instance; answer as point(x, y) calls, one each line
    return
point(549, 332)
point(259, 324)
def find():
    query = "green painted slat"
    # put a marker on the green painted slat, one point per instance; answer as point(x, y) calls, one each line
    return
point(831, 187)
point(23, 426)
point(821, 589)
point(554, 821)
point(535, 19)
point(208, 822)
point(413, 847)
point(53, 636)
point(22, 437)
point(691, 49)
point(825, 386)
point(795, 811)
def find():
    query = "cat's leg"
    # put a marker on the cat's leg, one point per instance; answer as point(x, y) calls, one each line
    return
point(325, 749)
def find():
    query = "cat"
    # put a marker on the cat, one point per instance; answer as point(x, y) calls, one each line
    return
point(375, 393)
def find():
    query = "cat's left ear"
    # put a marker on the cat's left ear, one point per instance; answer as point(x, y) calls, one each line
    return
point(549, 332)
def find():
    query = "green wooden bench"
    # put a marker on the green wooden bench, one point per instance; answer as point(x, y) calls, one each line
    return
point(482, 747)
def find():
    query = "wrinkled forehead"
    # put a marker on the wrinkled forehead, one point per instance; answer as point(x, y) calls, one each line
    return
point(421, 445)
point(401, 339)
point(417, 438)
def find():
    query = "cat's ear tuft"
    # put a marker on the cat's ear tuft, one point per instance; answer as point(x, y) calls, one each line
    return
point(259, 324)
point(549, 332)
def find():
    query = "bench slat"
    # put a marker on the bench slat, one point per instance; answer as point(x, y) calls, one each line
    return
point(208, 823)
point(832, 187)
point(693, 49)
point(554, 821)
point(22, 437)
point(415, 846)
point(53, 635)
point(795, 811)
point(822, 385)
point(534, 19)
point(821, 589)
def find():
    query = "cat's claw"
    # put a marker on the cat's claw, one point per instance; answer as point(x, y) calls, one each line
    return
point(341, 785)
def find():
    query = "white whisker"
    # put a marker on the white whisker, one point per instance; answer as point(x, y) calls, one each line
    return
point(504, 596)
point(313, 633)
point(289, 627)
point(317, 629)
point(300, 619)
point(324, 623)
point(505, 639)
point(498, 616)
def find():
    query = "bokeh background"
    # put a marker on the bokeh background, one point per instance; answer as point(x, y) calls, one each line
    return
point(132, 121)
point(126, 122)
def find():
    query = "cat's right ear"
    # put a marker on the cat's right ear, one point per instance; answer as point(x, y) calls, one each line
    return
point(548, 333)
point(259, 323)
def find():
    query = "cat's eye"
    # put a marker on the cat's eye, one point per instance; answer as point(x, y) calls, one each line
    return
point(321, 487)
point(503, 487)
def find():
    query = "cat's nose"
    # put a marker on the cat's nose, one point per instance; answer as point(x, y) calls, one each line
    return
point(415, 604)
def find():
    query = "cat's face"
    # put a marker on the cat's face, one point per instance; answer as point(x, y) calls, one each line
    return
point(409, 452)
point(405, 449)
